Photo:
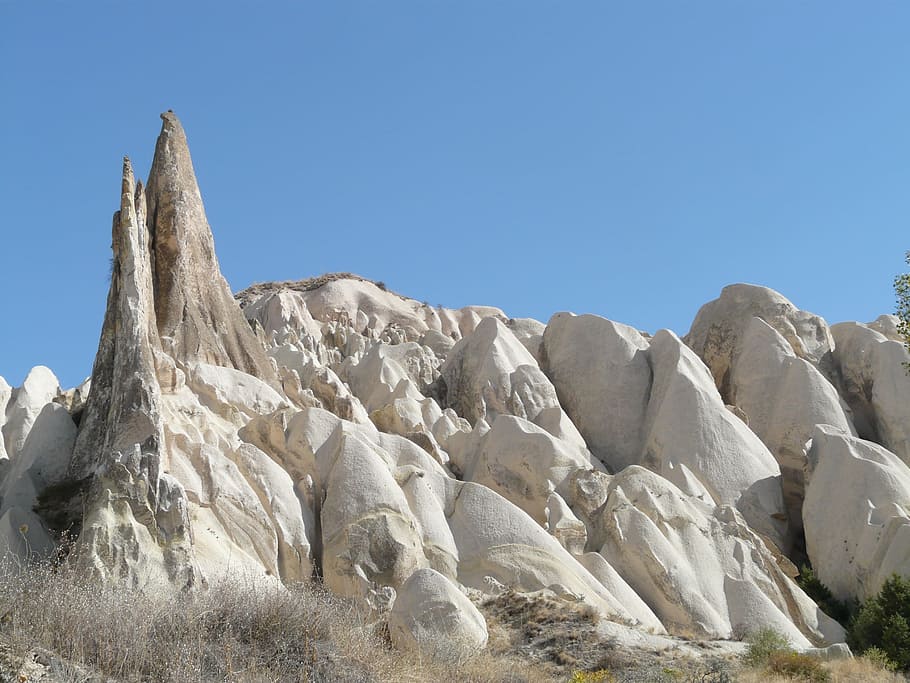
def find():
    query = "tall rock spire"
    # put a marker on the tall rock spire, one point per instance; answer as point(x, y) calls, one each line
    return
point(197, 316)
point(168, 307)
point(123, 408)
point(134, 523)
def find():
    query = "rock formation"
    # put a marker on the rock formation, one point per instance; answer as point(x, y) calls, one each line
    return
point(869, 359)
point(172, 335)
point(719, 325)
point(774, 364)
point(783, 397)
point(195, 311)
point(431, 616)
point(856, 513)
point(420, 459)
point(699, 566)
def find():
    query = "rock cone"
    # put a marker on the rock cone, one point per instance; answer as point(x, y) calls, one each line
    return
point(198, 319)
point(169, 313)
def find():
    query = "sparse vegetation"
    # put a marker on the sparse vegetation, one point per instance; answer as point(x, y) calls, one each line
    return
point(902, 290)
point(879, 659)
point(856, 670)
point(771, 659)
point(772, 652)
point(599, 676)
point(308, 285)
point(82, 630)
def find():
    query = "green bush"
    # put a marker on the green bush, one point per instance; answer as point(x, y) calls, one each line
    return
point(599, 676)
point(763, 645)
point(879, 659)
point(883, 622)
point(799, 666)
point(819, 592)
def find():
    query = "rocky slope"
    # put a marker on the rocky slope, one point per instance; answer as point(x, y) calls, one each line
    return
point(415, 457)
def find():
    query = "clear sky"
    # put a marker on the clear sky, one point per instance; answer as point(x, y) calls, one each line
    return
point(623, 158)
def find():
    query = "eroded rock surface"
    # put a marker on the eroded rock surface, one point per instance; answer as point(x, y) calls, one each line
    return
point(410, 456)
point(195, 312)
point(719, 324)
point(783, 397)
point(432, 617)
point(170, 494)
point(699, 566)
point(603, 378)
point(875, 383)
point(856, 513)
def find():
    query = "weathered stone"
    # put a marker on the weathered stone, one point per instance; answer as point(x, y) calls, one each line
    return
point(197, 317)
point(5, 393)
point(490, 373)
point(123, 409)
point(783, 397)
point(603, 379)
point(530, 333)
point(832, 653)
point(717, 327)
point(875, 383)
point(699, 566)
point(856, 513)
point(525, 464)
point(24, 404)
point(696, 443)
point(431, 616)
point(135, 526)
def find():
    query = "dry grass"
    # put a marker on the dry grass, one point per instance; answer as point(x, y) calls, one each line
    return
point(560, 636)
point(564, 642)
point(235, 632)
point(79, 630)
point(58, 623)
point(857, 670)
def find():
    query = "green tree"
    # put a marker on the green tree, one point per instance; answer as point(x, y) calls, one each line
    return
point(884, 622)
point(836, 609)
point(902, 290)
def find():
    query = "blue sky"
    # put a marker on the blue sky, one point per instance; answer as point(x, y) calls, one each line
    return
point(626, 159)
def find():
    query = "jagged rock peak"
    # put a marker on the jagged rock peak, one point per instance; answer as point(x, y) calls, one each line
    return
point(169, 310)
point(122, 409)
point(198, 319)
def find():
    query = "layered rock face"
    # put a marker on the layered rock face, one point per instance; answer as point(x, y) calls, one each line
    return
point(419, 459)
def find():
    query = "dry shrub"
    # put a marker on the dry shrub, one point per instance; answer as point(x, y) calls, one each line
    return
point(862, 669)
point(798, 666)
point(856, 670)
point(243, 630)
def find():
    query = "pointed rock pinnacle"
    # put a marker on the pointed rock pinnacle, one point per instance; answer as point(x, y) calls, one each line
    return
point(198, 319)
